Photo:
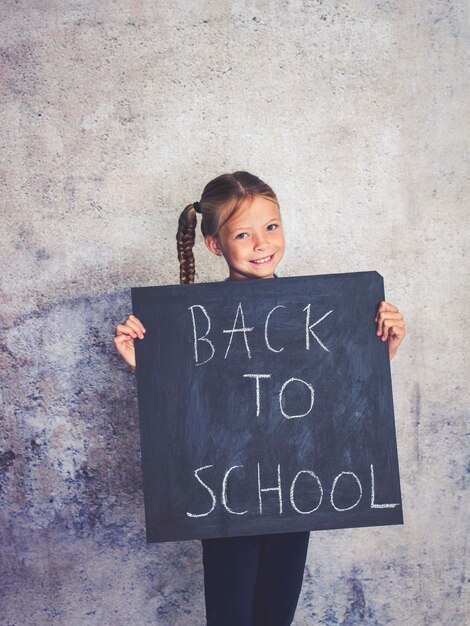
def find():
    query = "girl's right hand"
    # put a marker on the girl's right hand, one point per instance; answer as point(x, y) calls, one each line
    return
point(124, 339)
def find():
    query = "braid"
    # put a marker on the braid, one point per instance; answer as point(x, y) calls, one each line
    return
point(185, 238)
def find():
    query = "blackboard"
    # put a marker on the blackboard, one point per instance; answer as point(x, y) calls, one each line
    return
point(265, 406)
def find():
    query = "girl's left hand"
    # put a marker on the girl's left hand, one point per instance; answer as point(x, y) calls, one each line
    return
point(391, 325)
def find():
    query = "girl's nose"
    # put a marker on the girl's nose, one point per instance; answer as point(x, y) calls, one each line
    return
point(261, 242)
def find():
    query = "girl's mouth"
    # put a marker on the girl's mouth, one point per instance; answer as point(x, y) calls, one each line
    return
point(264, 260)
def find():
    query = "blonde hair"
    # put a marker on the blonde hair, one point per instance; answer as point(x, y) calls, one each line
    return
point(221, 199)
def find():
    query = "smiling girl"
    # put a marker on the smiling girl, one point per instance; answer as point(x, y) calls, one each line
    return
point(250, 580)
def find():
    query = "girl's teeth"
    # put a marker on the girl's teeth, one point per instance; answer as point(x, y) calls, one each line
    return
point(260, 262)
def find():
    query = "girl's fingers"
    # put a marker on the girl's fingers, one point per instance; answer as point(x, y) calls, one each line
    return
point(393, 328)
point(135, 327)
point(132, 326)
point(386, 327)
point(387, 316)
point(137, 321)
point(122, 338)
point(385, 306)
point(397, 331)
point(124, 345)
point(124, 329)
point(384, 313)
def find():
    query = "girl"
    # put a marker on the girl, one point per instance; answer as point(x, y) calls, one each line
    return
point(252, 580)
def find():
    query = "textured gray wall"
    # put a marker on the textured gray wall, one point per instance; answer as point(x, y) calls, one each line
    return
point(115, 115)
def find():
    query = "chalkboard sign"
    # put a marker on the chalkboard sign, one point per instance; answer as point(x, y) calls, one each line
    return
point(265, 406)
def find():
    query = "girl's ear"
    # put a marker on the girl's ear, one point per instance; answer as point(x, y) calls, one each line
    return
point(212, 245)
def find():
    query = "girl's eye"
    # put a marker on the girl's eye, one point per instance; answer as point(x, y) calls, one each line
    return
point(241, 235)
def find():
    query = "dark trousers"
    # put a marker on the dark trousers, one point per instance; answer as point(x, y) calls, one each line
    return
point(253, 580)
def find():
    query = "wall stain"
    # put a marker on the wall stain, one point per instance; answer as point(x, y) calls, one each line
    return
point(357, 612)
point(6, 461)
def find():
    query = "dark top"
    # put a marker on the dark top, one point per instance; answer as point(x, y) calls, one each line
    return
point(229, 277)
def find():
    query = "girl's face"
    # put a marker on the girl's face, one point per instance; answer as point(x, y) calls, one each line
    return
point(252, 241)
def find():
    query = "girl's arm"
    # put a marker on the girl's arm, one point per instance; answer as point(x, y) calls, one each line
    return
point(391, 325)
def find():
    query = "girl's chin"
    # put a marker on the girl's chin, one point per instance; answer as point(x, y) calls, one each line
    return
point(247, 274)
point(266, 273)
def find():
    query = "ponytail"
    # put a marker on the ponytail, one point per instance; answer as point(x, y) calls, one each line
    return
point(185, 238)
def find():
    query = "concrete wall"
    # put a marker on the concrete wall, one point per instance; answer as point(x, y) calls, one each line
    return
point(114, 116)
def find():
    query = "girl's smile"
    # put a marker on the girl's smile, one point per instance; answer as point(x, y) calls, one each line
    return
point(252, 241)
point(267, 259)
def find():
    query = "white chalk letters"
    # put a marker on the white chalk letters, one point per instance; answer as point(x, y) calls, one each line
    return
point(201, 325)
point(203, 322)
point(306, 489)
point(351, 479)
